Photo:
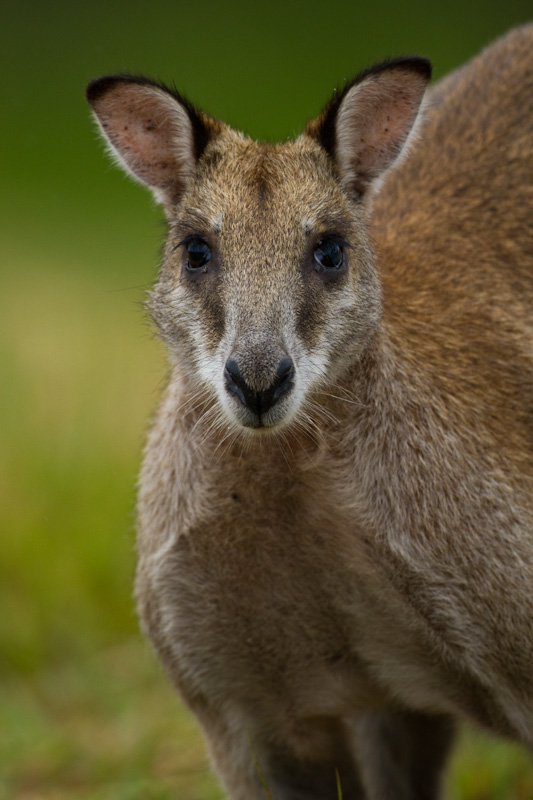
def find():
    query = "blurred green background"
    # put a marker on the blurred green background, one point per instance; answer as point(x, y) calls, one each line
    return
point(84, 709)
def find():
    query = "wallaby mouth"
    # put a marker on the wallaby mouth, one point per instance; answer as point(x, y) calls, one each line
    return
point(259, 399)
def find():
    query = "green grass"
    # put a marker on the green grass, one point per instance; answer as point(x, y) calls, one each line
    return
point(487, 769)
point(76, 394)
point(107, 726)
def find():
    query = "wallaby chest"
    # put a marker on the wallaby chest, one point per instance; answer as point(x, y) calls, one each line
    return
point(257, 578)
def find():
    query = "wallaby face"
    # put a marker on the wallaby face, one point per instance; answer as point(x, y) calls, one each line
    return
point(335, 505)
point(261, 293)
point(268, 285)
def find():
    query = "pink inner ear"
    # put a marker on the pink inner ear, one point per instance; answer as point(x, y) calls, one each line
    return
point(150, 132)
point(374, 123)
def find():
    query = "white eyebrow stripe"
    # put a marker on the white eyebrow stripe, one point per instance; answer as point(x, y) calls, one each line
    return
point(216, 224)
point(308, 224)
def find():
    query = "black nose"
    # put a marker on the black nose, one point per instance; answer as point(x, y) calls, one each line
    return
point(259, 402)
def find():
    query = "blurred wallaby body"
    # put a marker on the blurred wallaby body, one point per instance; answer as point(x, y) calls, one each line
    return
point(335, 510)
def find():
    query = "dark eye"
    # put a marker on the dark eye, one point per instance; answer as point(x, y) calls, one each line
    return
point(198, 254)
point(329, 255)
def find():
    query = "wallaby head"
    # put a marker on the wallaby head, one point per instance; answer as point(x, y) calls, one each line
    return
point(268, 286)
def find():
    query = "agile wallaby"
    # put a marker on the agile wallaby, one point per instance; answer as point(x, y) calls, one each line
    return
point(335, 544)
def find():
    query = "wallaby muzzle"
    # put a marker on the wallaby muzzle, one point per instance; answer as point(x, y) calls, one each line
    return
point(259, 402)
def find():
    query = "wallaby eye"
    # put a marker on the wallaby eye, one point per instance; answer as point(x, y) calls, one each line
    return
point(329, 255)
point(198, 254)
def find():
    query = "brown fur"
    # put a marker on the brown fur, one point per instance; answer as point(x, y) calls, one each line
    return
point(331, 585)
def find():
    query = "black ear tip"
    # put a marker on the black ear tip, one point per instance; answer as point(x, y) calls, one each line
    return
point(418, 64)
point(99, 86)
point(421, 65)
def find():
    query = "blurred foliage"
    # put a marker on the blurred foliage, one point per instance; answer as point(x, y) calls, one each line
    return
point(84, 710)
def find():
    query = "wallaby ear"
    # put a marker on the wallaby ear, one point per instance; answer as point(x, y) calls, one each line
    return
point(365, 128)
point(156, 135)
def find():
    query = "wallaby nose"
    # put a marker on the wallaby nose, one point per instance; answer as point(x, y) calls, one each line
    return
point(259, 402)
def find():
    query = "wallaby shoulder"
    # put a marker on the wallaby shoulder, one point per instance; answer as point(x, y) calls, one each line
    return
point(470, 174)
point(452, 228)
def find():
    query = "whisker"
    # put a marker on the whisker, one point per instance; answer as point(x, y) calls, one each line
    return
point(199, 421)
point(343, 399)
point(282, 441)
point(350, 396)
point(323, 411)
